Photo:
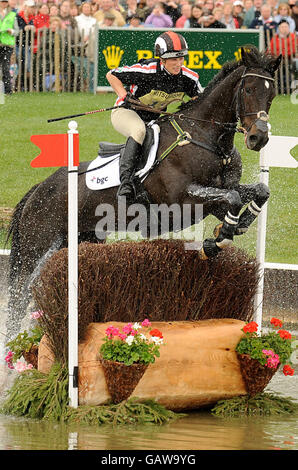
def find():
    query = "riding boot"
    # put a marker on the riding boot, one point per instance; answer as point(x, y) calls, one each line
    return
point(127, 166)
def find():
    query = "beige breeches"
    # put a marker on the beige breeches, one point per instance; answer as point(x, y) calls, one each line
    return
point(128, 123)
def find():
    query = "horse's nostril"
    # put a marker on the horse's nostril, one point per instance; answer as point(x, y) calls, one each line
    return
point(253, 139)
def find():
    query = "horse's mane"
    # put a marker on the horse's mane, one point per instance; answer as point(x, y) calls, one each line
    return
point(253, 58)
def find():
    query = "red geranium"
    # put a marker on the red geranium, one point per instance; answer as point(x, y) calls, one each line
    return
point(284, 334)
point(276, 322)
point(156, 332)
point(251, 327)
point(287, 370)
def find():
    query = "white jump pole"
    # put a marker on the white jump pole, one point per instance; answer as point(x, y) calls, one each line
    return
point(261, 248)
point(72, 269)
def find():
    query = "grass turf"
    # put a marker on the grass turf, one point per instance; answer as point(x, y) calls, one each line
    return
point(24, 115)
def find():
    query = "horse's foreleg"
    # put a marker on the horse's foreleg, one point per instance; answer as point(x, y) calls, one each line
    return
point(255, 195)
point(209, 197)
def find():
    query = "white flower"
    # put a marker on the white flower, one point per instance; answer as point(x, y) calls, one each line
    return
point(157, 340)
point(136, 326)
point(129, 340)
point(143, 337)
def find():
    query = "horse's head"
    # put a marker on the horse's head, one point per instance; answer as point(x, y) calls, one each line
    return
point(255, 95)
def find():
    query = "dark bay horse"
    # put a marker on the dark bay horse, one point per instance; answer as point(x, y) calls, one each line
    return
point(206, 171)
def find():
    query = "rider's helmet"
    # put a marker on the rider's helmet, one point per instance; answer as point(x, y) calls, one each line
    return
point(169, 45)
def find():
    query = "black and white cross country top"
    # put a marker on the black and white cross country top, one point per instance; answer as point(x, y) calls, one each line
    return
point(153, 85)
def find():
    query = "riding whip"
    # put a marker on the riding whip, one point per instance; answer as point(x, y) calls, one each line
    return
point(136, 104)
point(82, 114)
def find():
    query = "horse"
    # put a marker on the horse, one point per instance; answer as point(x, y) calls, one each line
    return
point(206, 171)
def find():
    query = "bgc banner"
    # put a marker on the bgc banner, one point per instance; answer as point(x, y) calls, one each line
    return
point(209, 49)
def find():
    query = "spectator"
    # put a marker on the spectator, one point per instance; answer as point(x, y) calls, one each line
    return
point(134, 21)
point(186, 9)
point(94, 8)
point(238, 13)
point(294, 6)
point(158, 17)
point(25, 20)
point(13, 5)
point(108, 20)
point(54, 10)
point(172, 9)
point(227, 17)
point(252, 13)
point(284, 43)
point(85, 21)
point(67, 20)
point(41, 20)
point(266, 21)
point(212, 21)
point(148, 8)
point(274, 5)
point(74, 10)
point(196, 13)
point(7, 41)
point(106, 6)
point(209, 4)
point(133, 9)
point(284, 13)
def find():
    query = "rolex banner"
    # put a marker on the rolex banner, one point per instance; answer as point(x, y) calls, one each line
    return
point(208, 49)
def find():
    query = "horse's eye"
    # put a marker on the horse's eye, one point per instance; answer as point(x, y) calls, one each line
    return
point(248, 90)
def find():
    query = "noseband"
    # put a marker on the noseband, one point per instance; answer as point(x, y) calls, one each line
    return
point(262, 116)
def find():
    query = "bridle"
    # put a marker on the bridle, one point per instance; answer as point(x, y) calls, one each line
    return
point(262, 116)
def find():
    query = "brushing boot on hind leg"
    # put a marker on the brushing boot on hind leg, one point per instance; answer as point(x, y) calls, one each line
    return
point(224, 237)
point(127, 168)
point(253, 209)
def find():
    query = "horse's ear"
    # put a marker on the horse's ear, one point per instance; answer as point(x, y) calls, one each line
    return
point(275, 64)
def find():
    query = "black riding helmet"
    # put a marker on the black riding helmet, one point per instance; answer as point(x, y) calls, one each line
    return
point(170, 45)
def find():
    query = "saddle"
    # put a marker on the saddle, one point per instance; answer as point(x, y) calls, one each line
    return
point(107, 149)
point(103, 172)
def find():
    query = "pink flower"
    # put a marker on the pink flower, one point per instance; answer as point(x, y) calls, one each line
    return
point(22, 366)
point(122, 336)
point(272, 358)
point(127, 328)
point(112, 331)
point(146, 322)
point(36, 315)
point(8, 360)
point(133, 332)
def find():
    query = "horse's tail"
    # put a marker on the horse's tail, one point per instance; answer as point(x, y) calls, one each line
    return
point(14, 235)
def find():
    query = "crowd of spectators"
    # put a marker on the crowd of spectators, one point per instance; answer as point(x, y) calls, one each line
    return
point(84, 15)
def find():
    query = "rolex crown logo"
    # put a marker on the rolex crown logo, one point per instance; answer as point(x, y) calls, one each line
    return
point(113, 56)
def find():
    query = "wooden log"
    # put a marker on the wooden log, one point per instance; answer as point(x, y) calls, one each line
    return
point(197, 366)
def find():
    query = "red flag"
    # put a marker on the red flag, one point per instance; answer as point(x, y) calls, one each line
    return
point(54, 150)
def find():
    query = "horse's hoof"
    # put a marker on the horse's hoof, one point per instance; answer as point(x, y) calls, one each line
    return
point(202, 254)
point(209, 249)
point(217, 230)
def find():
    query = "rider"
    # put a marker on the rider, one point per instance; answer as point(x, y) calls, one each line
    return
point(154, 82)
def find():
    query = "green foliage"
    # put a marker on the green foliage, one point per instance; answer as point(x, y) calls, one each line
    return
point(253, 345)
point(38, 395)
point(24, 341)
point(130, 345)
point(45, 396)
point(262, 404)
point(138, 351)
point(126, 412)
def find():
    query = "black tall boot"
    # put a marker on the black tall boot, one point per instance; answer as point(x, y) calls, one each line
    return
point(127, 166)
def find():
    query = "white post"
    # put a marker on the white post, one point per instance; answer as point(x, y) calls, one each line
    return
point(260, 252)
point(72, 269)
point(261, 243)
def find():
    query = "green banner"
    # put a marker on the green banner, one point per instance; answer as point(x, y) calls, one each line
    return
point(208, 49)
